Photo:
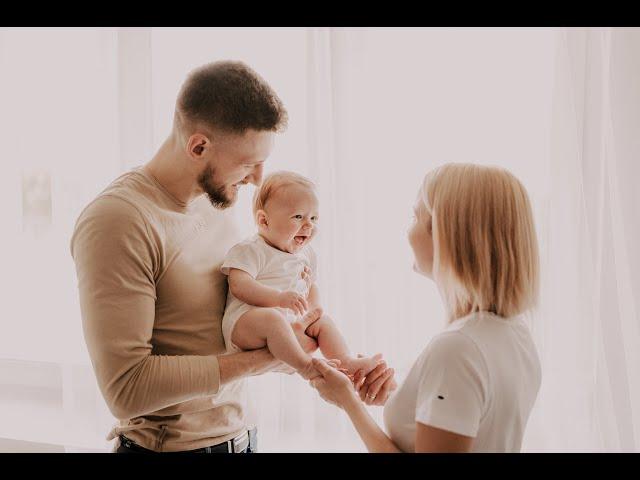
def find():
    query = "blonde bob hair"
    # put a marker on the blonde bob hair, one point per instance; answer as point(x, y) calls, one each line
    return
point(485, 248)
point(276, 181)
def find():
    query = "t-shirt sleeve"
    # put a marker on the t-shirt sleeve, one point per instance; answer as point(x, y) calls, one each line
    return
point(116, 261)
point(453, 385)
point(244, 256)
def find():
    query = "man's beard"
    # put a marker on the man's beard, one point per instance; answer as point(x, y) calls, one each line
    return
point(216, 193)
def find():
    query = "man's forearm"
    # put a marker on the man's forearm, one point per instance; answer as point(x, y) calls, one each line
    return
point(245, 364)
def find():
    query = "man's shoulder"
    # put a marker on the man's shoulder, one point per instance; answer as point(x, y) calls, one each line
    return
point(116, 209)
point(127, 197)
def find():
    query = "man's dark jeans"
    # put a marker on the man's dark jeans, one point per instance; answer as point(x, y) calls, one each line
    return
point(127, 446)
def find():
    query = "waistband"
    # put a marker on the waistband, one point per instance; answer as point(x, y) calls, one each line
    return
point(246, 439)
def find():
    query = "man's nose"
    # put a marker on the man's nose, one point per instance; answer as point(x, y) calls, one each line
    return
point(256, 176)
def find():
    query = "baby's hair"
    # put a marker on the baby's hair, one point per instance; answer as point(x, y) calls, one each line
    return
point(485, 245)
point(276, 181)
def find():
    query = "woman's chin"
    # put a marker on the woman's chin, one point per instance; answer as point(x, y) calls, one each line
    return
point(419, 271)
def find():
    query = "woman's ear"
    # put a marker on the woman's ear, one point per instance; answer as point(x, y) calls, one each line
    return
point(262, 219)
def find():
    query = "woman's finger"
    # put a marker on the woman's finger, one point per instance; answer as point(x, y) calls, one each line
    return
point(369, 379)
point(321, 366)
point(375, 387)
point(317, 382)
point(357, 378)
point(374, 374)
point(383, 394)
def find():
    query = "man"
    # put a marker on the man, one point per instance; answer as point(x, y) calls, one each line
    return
point(148, 251)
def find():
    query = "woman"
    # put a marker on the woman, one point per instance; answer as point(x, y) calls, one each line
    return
point(473, 387)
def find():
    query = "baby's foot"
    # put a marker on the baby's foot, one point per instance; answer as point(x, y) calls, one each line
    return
point(366, 364)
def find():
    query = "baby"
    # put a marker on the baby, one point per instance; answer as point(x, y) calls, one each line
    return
point(272, 280)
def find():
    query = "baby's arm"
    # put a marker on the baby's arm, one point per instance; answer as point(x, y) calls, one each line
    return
point(313, 299)
point(245, 288)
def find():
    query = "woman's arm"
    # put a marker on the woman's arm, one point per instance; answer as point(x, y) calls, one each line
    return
point(371, 434)
point(335, 387)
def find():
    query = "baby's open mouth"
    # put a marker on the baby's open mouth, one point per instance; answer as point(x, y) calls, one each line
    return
point(300, 239)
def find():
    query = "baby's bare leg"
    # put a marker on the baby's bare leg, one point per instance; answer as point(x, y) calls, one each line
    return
point(331, 342)
point(333, 345)
point(260, 327)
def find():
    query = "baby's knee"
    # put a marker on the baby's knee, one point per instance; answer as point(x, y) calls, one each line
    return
point(273, 317)
point(316, 327)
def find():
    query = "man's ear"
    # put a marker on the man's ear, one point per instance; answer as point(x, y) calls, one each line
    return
point(196, 146)
point(262, 219)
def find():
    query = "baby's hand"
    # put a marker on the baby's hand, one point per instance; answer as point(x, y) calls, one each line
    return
point(306, 276)
point(293, 301)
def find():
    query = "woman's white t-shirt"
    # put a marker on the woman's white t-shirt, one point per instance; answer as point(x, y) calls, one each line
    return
point(479, 378)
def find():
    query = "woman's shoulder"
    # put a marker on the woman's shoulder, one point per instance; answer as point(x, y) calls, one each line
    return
point(450, 344)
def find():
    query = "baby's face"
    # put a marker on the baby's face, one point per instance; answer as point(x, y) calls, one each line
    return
point(290, 218)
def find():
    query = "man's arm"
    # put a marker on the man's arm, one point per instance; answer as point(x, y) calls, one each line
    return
point(242, 364)
point(116, 261)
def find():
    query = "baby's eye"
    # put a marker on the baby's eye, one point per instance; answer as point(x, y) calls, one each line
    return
point(314, 219)
point(298, 217)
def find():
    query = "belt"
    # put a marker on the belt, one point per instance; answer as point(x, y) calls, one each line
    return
point(239, 444)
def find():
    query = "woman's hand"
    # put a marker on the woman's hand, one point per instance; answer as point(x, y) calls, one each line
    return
point(376, 386)
point(333, 385)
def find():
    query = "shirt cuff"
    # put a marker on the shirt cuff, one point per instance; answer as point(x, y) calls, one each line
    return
point(449, 424)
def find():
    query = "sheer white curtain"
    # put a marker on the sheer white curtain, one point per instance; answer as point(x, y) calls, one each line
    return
point(371, 110)
point(58, 147)
point(588, 326)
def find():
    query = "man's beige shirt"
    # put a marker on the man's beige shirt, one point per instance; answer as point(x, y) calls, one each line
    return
point(152, 298)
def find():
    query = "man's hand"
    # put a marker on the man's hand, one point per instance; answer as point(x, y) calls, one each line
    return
point(293, 301)
point(375, 387)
